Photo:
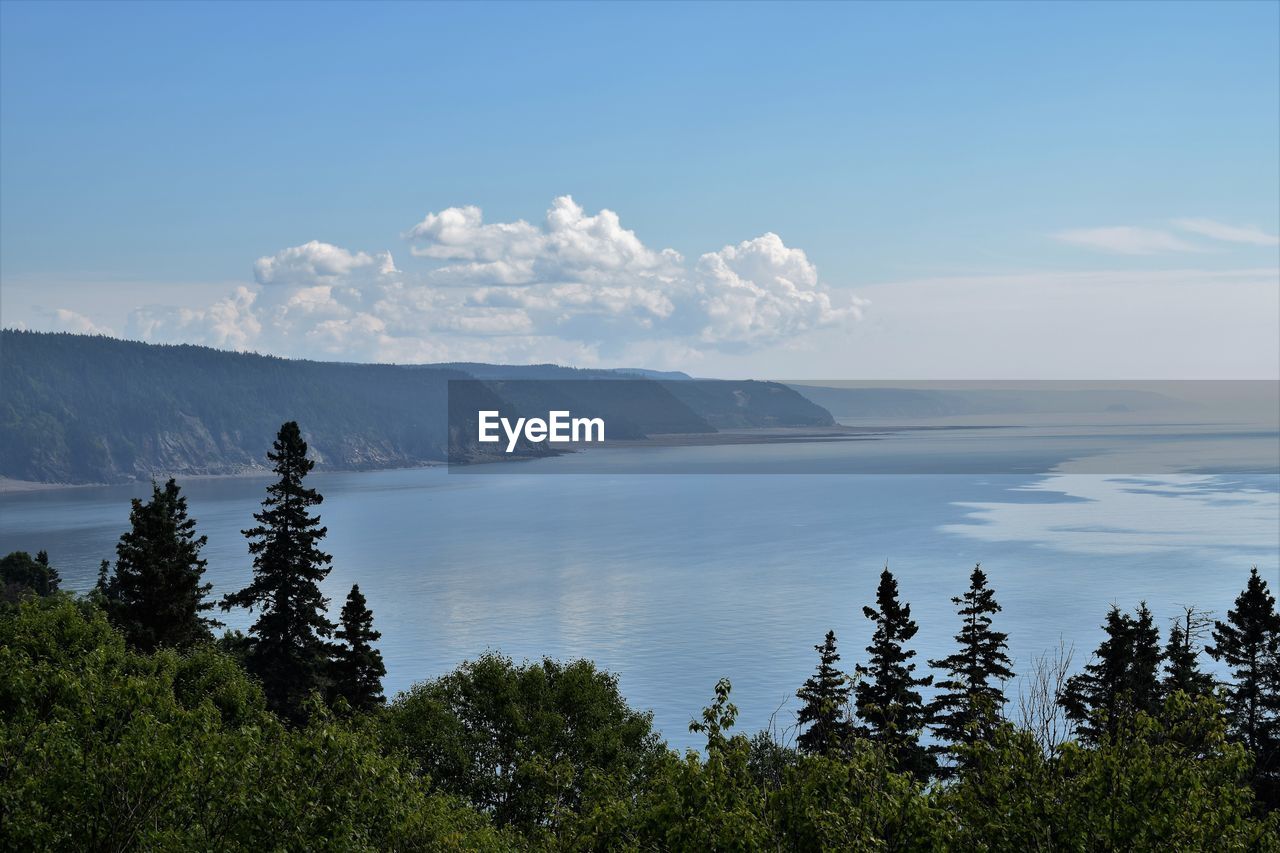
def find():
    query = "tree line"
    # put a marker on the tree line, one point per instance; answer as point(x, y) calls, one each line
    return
point(547, 755)
point(1129, 673)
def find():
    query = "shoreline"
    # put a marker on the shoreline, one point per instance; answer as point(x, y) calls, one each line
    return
point(724, 437)
point(758, 435)
point(11, 486)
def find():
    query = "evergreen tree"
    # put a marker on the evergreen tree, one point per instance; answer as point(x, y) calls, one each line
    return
point(826, 699)
point(1249, 644)
point(887, 697)
point(969, 707)
point(52, 578)
point(99, 593)
point(22, 575)
point(1122, 678)
point(288, 648)
point(155, 595)
point(1097, 691)
point(1144, 669)
point(1181, 656)
point(357, 665)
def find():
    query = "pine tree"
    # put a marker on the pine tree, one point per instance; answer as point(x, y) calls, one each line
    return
point(357, 666)
point(1122, 678)
point(1249, 644)
point(1181, 656)
point(288, 648)
point(969, 707)
point(887, 697)
point(155, 596)
point(52, 578)
point(826, 699)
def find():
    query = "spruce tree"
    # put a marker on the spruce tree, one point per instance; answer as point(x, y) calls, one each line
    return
point(357, 665)
point(288, 647)
point(1181, 656)
point(1091, 698)
point(969, 707)
point(1122, 678)
point(1248, 642)
point(1144, 670)
point(887, 696)
point(826, 699)
point(155, 596)
point(52, 578)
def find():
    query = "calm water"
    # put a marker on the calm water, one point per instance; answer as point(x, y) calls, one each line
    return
point(674, 581)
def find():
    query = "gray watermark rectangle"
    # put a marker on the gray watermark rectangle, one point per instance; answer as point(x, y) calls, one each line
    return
point(644, 425)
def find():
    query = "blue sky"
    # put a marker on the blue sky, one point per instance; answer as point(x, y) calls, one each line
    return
point(1110, 166)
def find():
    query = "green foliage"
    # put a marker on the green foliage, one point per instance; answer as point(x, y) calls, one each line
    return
point(1249, 644)
point(1122, 678)
point(725, 803)
point(768, 760)
point(887, 697)
point(825, 709)
point(968, 708)
point(104, 748)
point(717, 718)
point(21, 575)
point(288, 648)
point(1167, 782)
point(357, 667)
point(859, 802)
point(520, 741)
point(681, 804)
point(155, 596)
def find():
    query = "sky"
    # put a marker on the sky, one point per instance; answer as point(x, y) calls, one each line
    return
point(862, 190)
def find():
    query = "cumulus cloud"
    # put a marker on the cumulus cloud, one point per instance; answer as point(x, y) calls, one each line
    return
point(577, 287)
point(230, 323)
point(319, 263)
point(1125, 240)
point(569, 246)
point(1247, 234)
point(761, 290)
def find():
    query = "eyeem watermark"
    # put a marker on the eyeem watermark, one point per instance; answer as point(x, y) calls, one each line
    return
point(559, 427)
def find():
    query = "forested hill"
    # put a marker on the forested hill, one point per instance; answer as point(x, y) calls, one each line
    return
point(91, 409)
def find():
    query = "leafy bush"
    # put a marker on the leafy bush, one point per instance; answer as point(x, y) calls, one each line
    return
point(519, 741)
point(102, 748)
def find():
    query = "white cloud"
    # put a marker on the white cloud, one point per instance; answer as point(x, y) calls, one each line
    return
point(578, 276)
point(66, 320)
point(1247, 234)
point(1125, 240)
point(761, 290)
point(570, 246)
point(1132, 240)
point(319, 263)
point(459, 233)
point(577, 286)
point(230, 323)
